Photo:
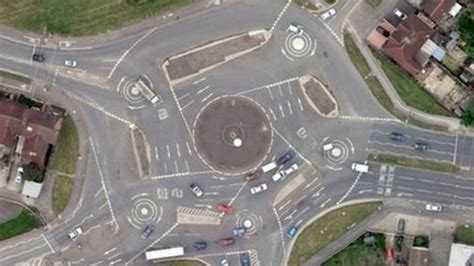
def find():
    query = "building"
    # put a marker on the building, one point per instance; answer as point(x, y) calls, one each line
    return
point(437, 10)
point(32, 189)
point(461, 255)
point(27, 132)
point(419, 256)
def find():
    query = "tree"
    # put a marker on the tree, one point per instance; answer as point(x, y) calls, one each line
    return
point(32, 172)
point(467, 118)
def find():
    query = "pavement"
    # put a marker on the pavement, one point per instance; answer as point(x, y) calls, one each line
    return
point(113, 204)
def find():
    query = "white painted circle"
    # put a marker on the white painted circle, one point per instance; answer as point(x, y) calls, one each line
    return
point(144, 211)
point(298, 43)
point(237, 142)
point(247, 223)
point(336, 152)
point(134, 91)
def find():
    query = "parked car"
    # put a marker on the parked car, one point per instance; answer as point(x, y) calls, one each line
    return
point(295, 28)
point(239, 231)
point(200, 245)
point(75, 233)
point(196, 190)
point(401, 226)
point(399, 14)
point(280, 175)
point(19, 175)
point(395, 136)
point(226, 241)
point(224, 262)
point(421, 146)
point(147, 232)
point(38, 57)
point(225, 208)
point(244, 259)
point(70, 63)
point(331, 12)
point(286, 157)
point(252, 175)
point(292, 232)
point(259, 188)
point(434, 207)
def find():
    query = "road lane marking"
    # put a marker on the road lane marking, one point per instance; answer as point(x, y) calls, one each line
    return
point(157, 155)
point(178, 150)
point(168, 151)
point(289, 107)
point(187, 166)
point(47, 242)
point(176, 167)
point(282, 12)
point(183, 96)
point(350, 189)
point(455, 148)
point(325, 203)
point(113, 256)
point(203, 89)
point(290, 89)
point(187, 105)
point(273, 114)
point(281, 111)
point(199, 81)
point(18, 254)
point(300, 104)
point(311, 183)
point(284, 205)
point(189, 149)
point(270, 92)
point(281, 91)
point(424, 191)
point(207, 97)
point(280, 227)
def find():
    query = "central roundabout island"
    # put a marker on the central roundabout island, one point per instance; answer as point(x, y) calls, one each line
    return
point(232, 134)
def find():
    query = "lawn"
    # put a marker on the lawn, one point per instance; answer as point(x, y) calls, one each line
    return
point(360, 254)
point(408, 89)
point(12, 76)
point(375, 87)
point(65, 152)
point(81, 17)
point(181, 263)
point(61, 193)
point(414, 163)
point(327, 229)
point(464, 234)
point(374, 3)
point(24, 222)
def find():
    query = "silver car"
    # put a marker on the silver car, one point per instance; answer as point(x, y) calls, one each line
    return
point(259, 189)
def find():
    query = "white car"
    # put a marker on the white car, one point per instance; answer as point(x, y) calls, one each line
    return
point(19, 175)
point(196, 190)
point(434, 207)
point(70, 63)
point(259, 189)
point(280, 175)
point(75, 233)
point(331, 12)
point(294, 28)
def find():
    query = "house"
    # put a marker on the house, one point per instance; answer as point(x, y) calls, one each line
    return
point(437, 10)
point(27, 132)
point(461, 255)
point(32, 189)
point(419, 256)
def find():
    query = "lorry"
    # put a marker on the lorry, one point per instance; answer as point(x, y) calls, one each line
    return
point(145, 89)
point(361, 168)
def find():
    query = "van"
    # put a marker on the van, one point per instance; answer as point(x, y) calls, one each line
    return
point(327, 147)
point(268, 167)
point(294, 28)
point(362, 168)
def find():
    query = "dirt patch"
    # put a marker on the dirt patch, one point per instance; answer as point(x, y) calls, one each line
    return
point(320, 98)
point(141, 152)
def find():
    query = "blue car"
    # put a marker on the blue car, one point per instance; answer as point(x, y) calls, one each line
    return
point(200, 245)
point(292, 232)
point(239, 231)
point(395, 136)
point(286, 157)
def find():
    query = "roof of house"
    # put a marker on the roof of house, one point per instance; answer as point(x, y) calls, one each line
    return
point(436, 9)
point(40, 129)
point(405, 42)
point(461, 254)
point(419, 256)
point(32, 189)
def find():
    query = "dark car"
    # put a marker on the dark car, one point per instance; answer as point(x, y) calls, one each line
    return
point(239, 231)
point(401, 226)
point(244, 259)
point(252, 175)
point(421, 146)
point(38, 57)
point(200, 245)
point(147, 232)
point(395, 136)
point(286, 157)
point(226, 241)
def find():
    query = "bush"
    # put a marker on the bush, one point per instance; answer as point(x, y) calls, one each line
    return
point(32, 172)
point(398, 243)
point(421, 241)
point(468, 117)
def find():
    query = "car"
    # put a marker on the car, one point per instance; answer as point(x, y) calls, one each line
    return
point(434, 207)
point(331, 12)
point(395, 136)
point(70, 63)
point(224, 242)
point(286, 157)
point(200, 245)
point(252, 175)
point(239, 231)
point(292, 232)
point(244, 259)
point(295, 28)
point(399, 14)
point(224, 262)
point(147, 232)
point(19, 175)
point(288, 171)
point(75, 233)
point(280, 175)
point(359, 167)
point(226, 209)
point(421, 146)
point(259, 188)
point(196, 190)
point(401, 226)
point(38, 57)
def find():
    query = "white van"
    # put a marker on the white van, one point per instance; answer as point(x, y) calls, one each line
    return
point(362, 168)
point(268, 167)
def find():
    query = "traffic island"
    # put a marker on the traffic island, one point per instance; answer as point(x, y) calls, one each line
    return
point(189, 64)
point(319, 97)
point(141, 151)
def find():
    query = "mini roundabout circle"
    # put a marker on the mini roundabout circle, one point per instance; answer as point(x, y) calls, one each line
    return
point(144, 211)
point(250, 221)
point(339, 152)
point(232, 134)
point(132, 95)
point(299, 45)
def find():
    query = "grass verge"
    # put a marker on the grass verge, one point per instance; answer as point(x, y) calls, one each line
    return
point(359, 253)
point(414, 163)
point(408, 89)
point(181, 263)
point(61, 193)
point(16, 77)
point(65, 152)
point(464, 234)
point(327, 229)
point(374, 3)
point(24, 222)
point(81, 17)
point(376, 88)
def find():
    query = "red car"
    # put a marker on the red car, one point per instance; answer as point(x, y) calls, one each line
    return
point(226, 241)
point(225, 208)
point(252, 175)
